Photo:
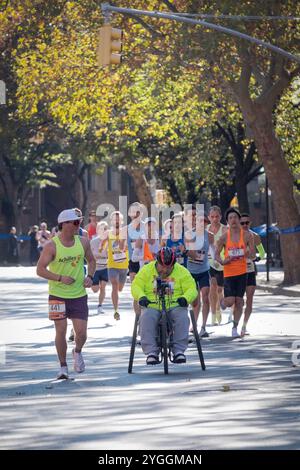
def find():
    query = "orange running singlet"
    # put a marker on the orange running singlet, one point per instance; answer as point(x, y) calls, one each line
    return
point(237, 251)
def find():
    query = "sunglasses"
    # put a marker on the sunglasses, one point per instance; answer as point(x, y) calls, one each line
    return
point(245, 223)
point(74, 222)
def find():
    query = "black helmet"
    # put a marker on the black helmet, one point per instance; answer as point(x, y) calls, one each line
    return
point(166, 256)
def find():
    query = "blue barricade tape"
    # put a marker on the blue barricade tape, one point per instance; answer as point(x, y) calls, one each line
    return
point(5, 236)
point(286, 231)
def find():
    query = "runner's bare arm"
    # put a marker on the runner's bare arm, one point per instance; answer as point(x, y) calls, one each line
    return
point(219, 247)
point(257, 239)
point(123, 238)
point(212, 248)
point(84, 233)
point(89, 256)
point(249, 239)
point(47, 255)
point(211, 238)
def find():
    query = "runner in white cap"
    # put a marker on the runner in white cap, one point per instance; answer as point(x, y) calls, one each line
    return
point(61, 262)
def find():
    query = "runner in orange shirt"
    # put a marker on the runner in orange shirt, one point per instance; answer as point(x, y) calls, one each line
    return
point(238, 246)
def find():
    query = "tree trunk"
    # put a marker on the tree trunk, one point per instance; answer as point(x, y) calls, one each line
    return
point(226, 194)
point(242, 193)
point(141, 186)
point(173, 190)
point(281, 184)
point(83, 202)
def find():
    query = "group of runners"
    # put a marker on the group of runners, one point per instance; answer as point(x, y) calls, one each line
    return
point(209, 265)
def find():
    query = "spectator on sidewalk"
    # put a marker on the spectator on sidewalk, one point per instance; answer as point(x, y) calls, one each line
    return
point(13, 249)
point(91, 227)
point(33, 253)
point(42, 236)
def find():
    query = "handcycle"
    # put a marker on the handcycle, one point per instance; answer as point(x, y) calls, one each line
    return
point(165, 332)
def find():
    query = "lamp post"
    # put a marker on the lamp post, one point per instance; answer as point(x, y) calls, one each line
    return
point(267, 228)
point(2, 92)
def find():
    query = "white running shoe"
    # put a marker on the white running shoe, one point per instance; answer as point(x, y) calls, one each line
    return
point(63, 373)
point(214, 319)
point(234, 333)
point(79, 365)
point(244, 332)
point(203, 333)
point(100, 310)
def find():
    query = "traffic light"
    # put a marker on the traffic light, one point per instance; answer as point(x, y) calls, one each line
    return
point(110, 46)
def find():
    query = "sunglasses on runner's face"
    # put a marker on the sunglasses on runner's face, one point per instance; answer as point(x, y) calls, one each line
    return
point(74, 222)
point(247, 222)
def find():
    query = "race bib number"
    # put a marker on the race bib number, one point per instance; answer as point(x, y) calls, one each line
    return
point(199, 258)
point(103, 262)
point(236, 252)
point(57, 310)
point(119, 257)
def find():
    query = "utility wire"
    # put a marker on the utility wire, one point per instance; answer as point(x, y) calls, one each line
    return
point(239, 17)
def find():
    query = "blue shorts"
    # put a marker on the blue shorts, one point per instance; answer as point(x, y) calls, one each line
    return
point(119, 274)
point(100, 275)
point(202, 279)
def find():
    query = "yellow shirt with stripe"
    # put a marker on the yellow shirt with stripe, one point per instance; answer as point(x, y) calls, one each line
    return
point(117, 258)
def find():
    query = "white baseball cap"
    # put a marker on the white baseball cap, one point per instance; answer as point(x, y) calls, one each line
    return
point(67, 215)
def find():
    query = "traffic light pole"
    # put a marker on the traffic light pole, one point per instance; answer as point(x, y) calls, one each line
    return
point(106, 7)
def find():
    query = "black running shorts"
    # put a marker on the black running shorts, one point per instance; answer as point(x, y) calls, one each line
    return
point(235, 286)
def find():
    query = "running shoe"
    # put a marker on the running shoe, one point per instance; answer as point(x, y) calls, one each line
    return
point(72, 336)
point(116, 316)
point(100, 310)
point(214, 319)
point(79, 365)
point(244, 332)
point(234, 333)
point(63, 373)
point(203, 333)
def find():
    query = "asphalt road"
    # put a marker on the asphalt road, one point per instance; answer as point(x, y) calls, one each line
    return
point(248, 398)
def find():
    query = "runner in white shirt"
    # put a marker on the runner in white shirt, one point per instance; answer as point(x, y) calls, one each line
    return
point(99, 246)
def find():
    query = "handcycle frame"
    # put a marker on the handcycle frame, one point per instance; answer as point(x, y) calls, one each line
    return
point(164, 336)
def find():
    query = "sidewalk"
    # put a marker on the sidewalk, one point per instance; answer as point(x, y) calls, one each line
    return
point(274, 284)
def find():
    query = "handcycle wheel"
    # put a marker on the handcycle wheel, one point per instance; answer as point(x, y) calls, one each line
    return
point(133, 343)
point(197, 338)
point(164, 346)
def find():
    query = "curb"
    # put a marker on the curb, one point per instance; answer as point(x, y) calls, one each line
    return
point(277, 290)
